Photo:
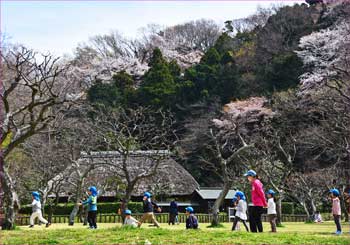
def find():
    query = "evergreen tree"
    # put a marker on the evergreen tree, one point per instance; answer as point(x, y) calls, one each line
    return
point(106, 94)
point(158, 87)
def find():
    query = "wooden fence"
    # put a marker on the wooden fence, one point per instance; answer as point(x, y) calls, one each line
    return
point(162, 218)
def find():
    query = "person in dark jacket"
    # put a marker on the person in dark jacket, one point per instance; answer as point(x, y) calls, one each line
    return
point(173, 212)
point(191, 221)
point(148, 207)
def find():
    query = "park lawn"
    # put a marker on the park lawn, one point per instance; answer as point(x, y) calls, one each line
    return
point(292, 233)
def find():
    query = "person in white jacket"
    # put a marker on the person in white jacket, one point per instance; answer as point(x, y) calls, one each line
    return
point(271, 210)
point(36, 210)
point(241, 212)
point(129, 220)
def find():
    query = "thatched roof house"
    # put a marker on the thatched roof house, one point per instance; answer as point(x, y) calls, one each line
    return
point(170, 178)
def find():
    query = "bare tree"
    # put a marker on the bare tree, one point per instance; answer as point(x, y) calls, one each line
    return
point(227, 166)
point(77, 134)
point(31, 85)
point(256, 20)
point(48, 161)
point(225, 151)
point(140, 139)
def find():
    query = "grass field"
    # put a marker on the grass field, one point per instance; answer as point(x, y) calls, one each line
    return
point(292, 233)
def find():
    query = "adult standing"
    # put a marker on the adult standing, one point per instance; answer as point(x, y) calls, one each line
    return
point(258, 200)
point(173, 212)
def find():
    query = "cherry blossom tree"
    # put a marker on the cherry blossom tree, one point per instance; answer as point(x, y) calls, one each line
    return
point(326, 55)
point(34, 90)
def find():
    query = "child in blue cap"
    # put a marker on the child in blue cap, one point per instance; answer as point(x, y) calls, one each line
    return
point(241, 212)
point(271, 209)
point(36, 210)
point(336, 210)
point(234, 203)
point(129, 220)
point(148, 207)
point(191, 221)
point(92, 202)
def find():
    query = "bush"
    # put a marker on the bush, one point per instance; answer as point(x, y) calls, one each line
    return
point(109, 207)
point(287, 208)
point(292, 208)
point(299, 209)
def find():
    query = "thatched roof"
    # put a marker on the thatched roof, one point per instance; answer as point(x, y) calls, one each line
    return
point(170, 179)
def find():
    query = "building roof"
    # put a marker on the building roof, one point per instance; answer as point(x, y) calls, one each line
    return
point(213, 193)
point(171, 179)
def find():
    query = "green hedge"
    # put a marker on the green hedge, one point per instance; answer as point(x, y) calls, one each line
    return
point(292, 208)
point(287, 208)
point(107, 208)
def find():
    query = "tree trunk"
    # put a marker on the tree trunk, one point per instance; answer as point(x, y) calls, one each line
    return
point(76, 206)
point(344, 207)
point(43, 205)
point(50, 213)
point(11, 201)
point(83, 215)
point(73, 214)
point(218, 203)
point(52, 207)
point(305, 208)
point(279, 211)
point(125, 201)
point(313, 209)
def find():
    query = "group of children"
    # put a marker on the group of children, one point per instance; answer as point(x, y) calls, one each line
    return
point(148, 214)
point(148, 211)
point(239, 202)
point(259, 202)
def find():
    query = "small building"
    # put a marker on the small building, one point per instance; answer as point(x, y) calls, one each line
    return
point(206, 196)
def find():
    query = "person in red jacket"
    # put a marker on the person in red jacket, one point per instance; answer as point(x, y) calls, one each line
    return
point(258, 200)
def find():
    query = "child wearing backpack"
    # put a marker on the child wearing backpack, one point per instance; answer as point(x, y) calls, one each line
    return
point(92, 202)
point(271, 210)
point(191, 221)
point(129, 220)
point(336, 210)
point(241, 212)
point(148, 207)
point(36, 210)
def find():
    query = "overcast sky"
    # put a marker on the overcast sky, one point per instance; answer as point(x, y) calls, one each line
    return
point(58, 26)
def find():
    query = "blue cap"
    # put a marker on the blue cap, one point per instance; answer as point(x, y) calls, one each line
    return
point(271, 192)
point(147, 194)
point(93, 190)
point(190, 210)
point(240, 195)
point(234, 199)
point(335, 192)
point(250, 173)
point(36, 195)
point(127, 212)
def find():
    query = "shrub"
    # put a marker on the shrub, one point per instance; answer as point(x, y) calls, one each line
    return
point(287, 208)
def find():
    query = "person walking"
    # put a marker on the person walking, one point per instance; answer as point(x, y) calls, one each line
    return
point(258, 200)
